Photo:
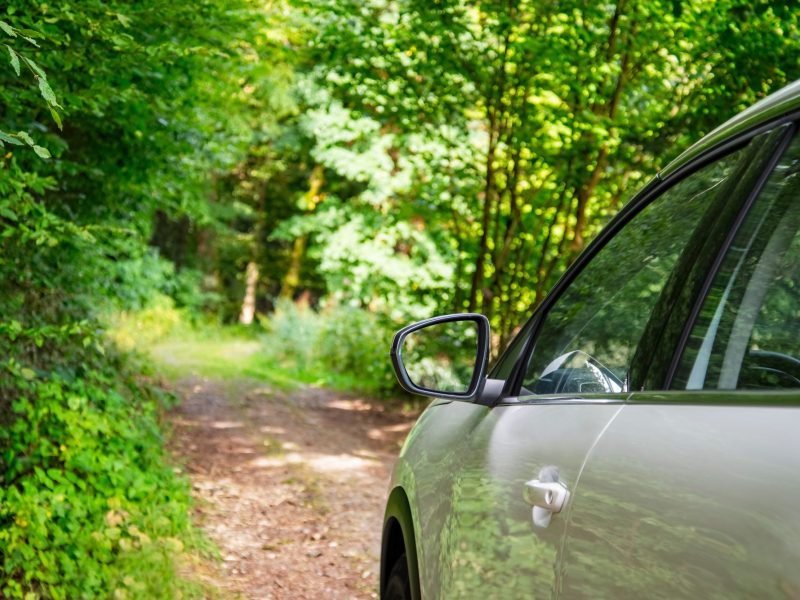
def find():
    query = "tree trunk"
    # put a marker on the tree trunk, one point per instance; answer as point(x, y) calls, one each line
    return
point(584, 194)
point(494, 107)
point(483, 244)
point(292, 278)
point(312, 197)
point(458, 299)
point(249, 302)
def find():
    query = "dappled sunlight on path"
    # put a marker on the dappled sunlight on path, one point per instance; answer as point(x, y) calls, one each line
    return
point(289, 485)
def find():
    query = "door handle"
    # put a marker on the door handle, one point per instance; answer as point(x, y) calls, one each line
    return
point(548, 495)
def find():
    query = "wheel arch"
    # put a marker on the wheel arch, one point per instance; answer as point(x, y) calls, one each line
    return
point(398, 538)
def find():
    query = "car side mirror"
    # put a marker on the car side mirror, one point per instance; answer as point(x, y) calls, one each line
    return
point(443, 357)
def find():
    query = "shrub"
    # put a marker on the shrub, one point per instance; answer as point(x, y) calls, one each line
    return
point(355, 342)
point(293, 332)
point(339, 345)
point(89, 506)
point(132, 328)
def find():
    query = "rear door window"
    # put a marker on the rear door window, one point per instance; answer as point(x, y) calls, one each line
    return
point(747, 334)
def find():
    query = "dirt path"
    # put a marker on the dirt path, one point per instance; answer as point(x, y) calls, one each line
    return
point(289, 485)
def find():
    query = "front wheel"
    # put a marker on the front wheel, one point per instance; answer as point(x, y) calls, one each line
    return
point(398, 586)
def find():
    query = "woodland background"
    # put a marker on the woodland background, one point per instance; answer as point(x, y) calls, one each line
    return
point(311, 174)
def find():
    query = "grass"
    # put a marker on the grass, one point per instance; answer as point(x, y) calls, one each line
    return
point(273, 447)
point(297, 347)
point(226, 357)
point(231, 353)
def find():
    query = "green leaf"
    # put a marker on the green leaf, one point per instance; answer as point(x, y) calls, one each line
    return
point(47, 92)
point(14, 59)
point(42, 152)
point(8, 213)
point(56, 117)
point(10, 139)
point(25, 138)
point(30, 32)
point(35, 68)
point(27, 373)
point(7, 28)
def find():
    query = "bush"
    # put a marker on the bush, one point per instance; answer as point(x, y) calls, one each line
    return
point(132, 329)
point(89, 506)
point(354, 342)
point(339, 345)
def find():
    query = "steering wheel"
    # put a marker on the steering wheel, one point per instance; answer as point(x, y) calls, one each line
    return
point(767, 369)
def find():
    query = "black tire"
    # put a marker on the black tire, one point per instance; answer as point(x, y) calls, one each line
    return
point(398, 586)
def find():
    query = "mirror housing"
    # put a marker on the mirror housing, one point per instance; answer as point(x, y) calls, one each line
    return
point(478, 378)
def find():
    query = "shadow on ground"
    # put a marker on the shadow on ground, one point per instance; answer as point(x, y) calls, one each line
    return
point(290, 485)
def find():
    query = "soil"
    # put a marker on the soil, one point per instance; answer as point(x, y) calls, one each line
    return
point(290, 486)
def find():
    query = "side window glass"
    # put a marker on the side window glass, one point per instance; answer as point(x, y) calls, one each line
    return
point(747, 334)
point(591, 333)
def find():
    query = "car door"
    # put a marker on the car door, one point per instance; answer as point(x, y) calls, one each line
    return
point(488, 532)
point(695, 491)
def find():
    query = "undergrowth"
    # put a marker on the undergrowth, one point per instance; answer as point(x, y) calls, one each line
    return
point(338, 347)
point(89, 505)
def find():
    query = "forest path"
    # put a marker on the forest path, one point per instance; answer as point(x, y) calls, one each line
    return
point(289, 485)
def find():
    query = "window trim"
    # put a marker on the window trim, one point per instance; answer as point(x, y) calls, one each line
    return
point(649, 193)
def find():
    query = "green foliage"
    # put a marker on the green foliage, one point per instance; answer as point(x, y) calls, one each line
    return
point(339, 346)
point(16, 59)
point(426, 157)
point(88, 505)
point(509, 133)
point(353, 342)
point(136, 330)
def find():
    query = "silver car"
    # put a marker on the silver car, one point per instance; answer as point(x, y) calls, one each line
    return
point(640, 438)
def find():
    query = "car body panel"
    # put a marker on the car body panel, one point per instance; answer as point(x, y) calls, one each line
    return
point(424, 470)
point(464, 469)
point(685, 499)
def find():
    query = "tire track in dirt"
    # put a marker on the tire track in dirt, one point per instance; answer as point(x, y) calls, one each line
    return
point(289, 485)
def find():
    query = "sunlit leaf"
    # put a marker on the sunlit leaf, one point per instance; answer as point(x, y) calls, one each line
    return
point(47, 92)
point(41, 151)
point(56, 117)
point(10, 139)
point(35, 68)
point(7, 28)
point(25, 138)
point(30, 32)
point(14, 59)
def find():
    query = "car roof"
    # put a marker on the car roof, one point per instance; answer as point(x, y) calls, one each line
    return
point(774, 106)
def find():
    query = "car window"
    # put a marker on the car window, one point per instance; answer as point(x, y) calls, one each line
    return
point(590, 334)
point(747, 334)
